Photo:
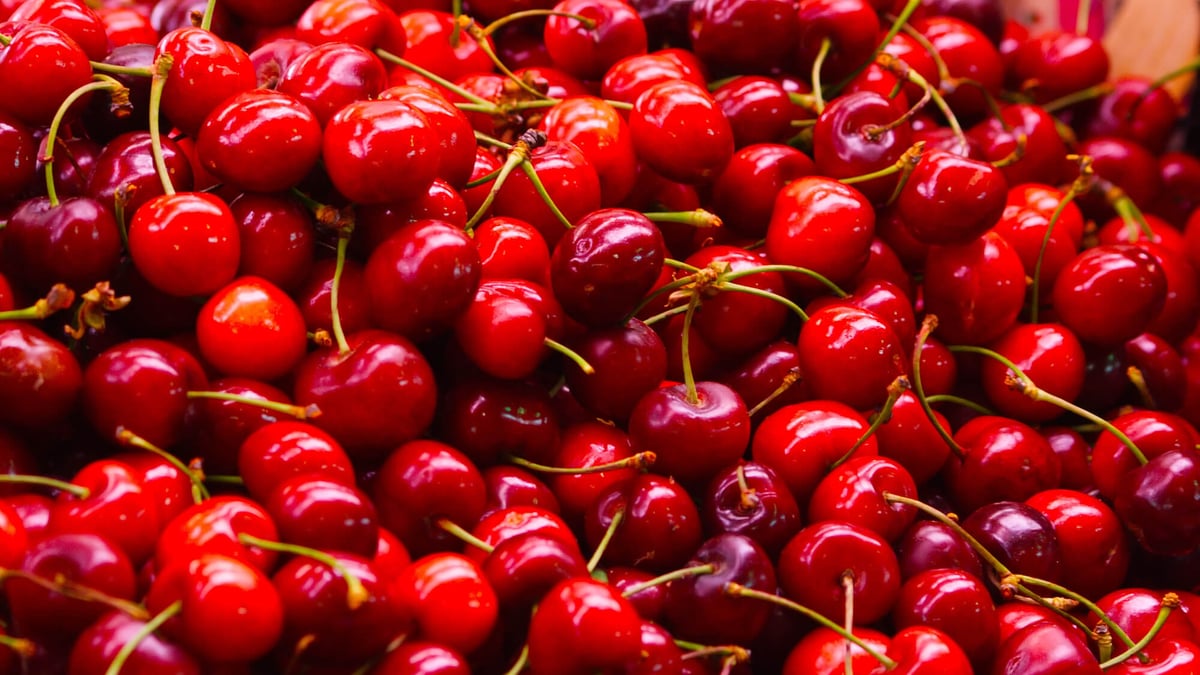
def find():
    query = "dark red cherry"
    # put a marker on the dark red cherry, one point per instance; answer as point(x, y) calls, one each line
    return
point(1020, 537)
point(931, 545)
point(693, 433)
point(98, 646)
point(857, 134)
point(692, 600)
point(976, 290)
point(125, 166)
point(1160, 502)
point(326, 514)
point(487, 418)
point(751, 500)
point(660, 526)
point(955, 602)
point(1045, 648)
point(1003, 459)
point(75, 242)
point(41, 379)
point(744, 193)
point(629, 361)
point(852, 28)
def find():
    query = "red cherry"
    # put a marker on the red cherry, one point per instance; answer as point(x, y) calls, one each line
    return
point(693, 434)
point(1045, 647)
point(213, 526)
point(1003, 459)
point(253, 329)
point(366, 23)
point(1109, 294)
point(380, 151)
point(205, 70)
point(942, 189)
point(857, 134)
point(680, 132)
point(852, 27)
point(1094, 546)
point(968, 55)
point(1050, 355)
point(588, 52)
point(41, 379)
point(570, 180)
point(854, 492)
point(452, 601)
point(229, 611)
point(628, 78)
point(117, 507)
point(278, 239)
point(602, 135)
point(822, 225)
point(260, 141)
point(186, 243)
point(432, 44)
point(976, 289)
point(455, 136)
point(330, 76)
point(45, 65)
point(1056, 63)
point(660, 527)
point(743, 37)
point(98, 646)
point(125, 165)
point(817, 563)
point(850, 355)
point(580, 626)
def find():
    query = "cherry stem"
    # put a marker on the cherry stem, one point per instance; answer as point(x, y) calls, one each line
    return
point(1170, 602)
point(640, 461)
point(575, 357)
point(684, 573)
point(964, 402)
point(57, 299)
point(689, 378)
point(748, 496)
point(1104, 642)
point(540, 188)
point(943, 70)
point(23, 648)
point(694, 218)
point(617, 518)
point(899, 22)
point(61, 485)
point(872, 132)
point(335, 289)
point(463, 535)
point(468, 24)
point(494, 142)
point(521, 662)
point(906, 162)
point(199, 490)
point(1086, 94)
point(298, 412)
point(162, 66)
point(1021, 140)
point(1158, 83)
point(518, 155)
point(661, 290)
point(927, 327)
point(535, 13)
point(901, 69)
point(63, 586)
point(437, 79)
point(120, 97)
point(224, 480)
point(135, 641)
point(894, 390)
point(818, 95)
point(1124, 206)
point(1078, 186)
point(739, 591)
point(110, 69)
point(848, 624)
point(790, 378)
point(762, 293)
point(1138, 379)
point(662, 316)
point(356, 593)
point(486, 178)
point(823, 280)
point(1021, 580)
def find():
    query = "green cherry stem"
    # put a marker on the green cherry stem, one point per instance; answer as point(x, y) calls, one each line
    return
point(958, 400)
point(356, 593)
point(818, 95)
point(535, 13)
point(436, 79)
point(689, 378)
point(61, 585)
point(1023, 580)
point(609, 532)
point(1086, 94)
point(339, 335)
point(694, 218)
point(540, 188)
point(135, 641)
point(132, 71)
point(664, 315)
point(207, 19)
point(458, 532)
point(521, 663)
point(518, 155)
point(927, 328)
point(571, 354)
point(905, 164)
point(1080, 185)
point(120, 98)
point(473, 29)
point(640, 462)
point(675, 575)
point(199, 490)
point(162, 66)
point(789, 379)
point(1129, 212)
point(298, 412)
point(750, 290)
point(59, 298)
point(739, 591)
point(1083, 15)
point(787, 269)
point(1170, 602)
point(895, 390)
point(77, 491)
point(26, 649)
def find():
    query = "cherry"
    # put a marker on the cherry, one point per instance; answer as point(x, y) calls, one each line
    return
point(1045, 647)
point(758, 319)
point(224, 608)
point(801, 442)
point(455, 137)
point(628, 78)
point(917, 648)
point(1050, 355)
point(1134, 610)
point(260, 141)
point(14, 536)
point(417, 656)
point(751, 500)
point(17, 142)
point(374, 396)
point(367, 23)
point(850, 355)
point(769, 379)
point(42, 378)
point(759, 110)
point(424, 481)
point(116, 507)
point(603, 267)
point(587, 52)
point(1093, 544)
point(1123, 164)
point(1163, 655)
point(141, 386)
point(487, 418)
point(694, 432)
point(1003, 459)
point(277, 238)
point(85, 561)
point(251, 328)
point(1161, 367)
point(266, 13)
point(1167, 484)
point(825, 652)
point(203, 71)
point(330, 76)
point(981, 309)
point(602, 135)
point(1179, 173)
point(941, 189)
point(185, 243)
point(659, 524)
point(509, 486)
point(952, 601)
point(46, 65)
point(570, 181)
point(435, 44)
point(128, 25)
point(852, 28)
point(969, 55)
point(821, 225)
point(324, 514)
point(1038, 160)
point(515, 330)
point(629, 361)
point(1133, 110)
point(1085, 291)
point(744, 193)
point(931, 545)
point(322, 625)
point(732, 558)
point(452, 601)
point(75, 242)
point(587, 444)
point(274, 453)
point(1029, 232)
point(380, 151)
point(858, 133)
point(580, 626)
point(855, 492)
point(125, 166)
point(680, 132)
point(98, 646)
point(824, 559)
point(524, 566)
point(909, 438)
point(1020, 537)
point(1153, 432)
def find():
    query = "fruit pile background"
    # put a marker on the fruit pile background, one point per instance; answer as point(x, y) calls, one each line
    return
point(666, 336)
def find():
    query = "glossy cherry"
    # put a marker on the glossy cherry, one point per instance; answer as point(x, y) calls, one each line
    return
point(817, 564)
point(186, 243)
point(583, 625)
point(681, 132)
point(451, 599)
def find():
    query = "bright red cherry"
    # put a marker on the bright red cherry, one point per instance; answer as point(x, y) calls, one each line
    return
point(822, 559)
point(186, 243)
point(822, 225)
point(452, 601)
point(380, 151)
point(253, 329)
point(580, 626)
point(681, 132)
point(204, 71)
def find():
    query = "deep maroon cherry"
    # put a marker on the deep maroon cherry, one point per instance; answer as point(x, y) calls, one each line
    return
point(660, 526)
point(693, 599)
point(1020, 537)
point(930, 545)
point(1160, 502)
point(98, 646)
point(42, 378)
point(693, 433)
point(750, 499)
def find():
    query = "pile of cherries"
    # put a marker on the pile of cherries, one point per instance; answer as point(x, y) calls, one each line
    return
point(676, 336)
